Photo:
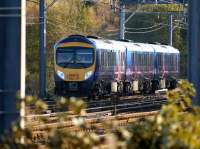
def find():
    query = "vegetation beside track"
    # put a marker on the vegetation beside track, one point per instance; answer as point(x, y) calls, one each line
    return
point(177, 125)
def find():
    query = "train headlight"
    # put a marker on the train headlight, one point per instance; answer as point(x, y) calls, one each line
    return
point(88, 74)
point(60, 74)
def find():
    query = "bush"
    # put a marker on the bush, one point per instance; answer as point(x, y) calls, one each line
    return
point(176, 126)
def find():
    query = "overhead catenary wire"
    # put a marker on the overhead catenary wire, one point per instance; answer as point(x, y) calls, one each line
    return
point(133, 14)
point(145, 28)
point(145, 32)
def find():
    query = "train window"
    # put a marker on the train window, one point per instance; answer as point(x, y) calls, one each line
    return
point(149, 59)
point(106, 58)
point(122, 59)
point(84, 56)
point(142, 57)
point(149, 62)
point(133, 59)
point(144, 61)
point(159, 59)
point(178, 57)
point(138, 60)
point(109, 58)
point(74, 57)
point(114, 58)
point(65, 57)
point(174, 62)
point(171, 62)
point(102, 57)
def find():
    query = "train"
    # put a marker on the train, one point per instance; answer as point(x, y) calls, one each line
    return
point(94, 66)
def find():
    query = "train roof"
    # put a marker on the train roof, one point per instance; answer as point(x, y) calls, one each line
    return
point(173, 50)
point(131, 46)
point(115, 45)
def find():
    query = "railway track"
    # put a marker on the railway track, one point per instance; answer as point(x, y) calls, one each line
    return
point(40, 132)
point(125, 104)
point(122, 110)
point(103, 102)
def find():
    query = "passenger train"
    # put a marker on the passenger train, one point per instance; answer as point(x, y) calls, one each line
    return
point(89, 65)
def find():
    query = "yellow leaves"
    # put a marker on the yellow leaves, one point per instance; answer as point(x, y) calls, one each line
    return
point(180, 97)
point(173, 127)
point(173, 95)
point(40, 106)
point(78, 121)
point(74, 105)
point(159, 119)
point(186, 88)
point(77, 106)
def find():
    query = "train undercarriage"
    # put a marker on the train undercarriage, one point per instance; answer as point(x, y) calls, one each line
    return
point(106, 87)
point(144, 86)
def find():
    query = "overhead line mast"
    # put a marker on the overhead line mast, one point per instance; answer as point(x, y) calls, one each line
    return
point(42, 46)
point(10, 62)
point(194, 48)
point(123, 20)
point(42, 49)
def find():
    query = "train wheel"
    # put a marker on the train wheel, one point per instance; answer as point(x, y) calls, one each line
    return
point(146, 87)
point(120, 88)
point(57, 91)
point(140, 86)
point(100, 89)
point(154, 86)
point(168, 84)
point(128, 88)
point(173, 84)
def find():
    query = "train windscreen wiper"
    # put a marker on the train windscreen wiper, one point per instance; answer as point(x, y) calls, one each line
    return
point(84, 65)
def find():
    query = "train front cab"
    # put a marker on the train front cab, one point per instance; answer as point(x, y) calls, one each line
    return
point(74, 67)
